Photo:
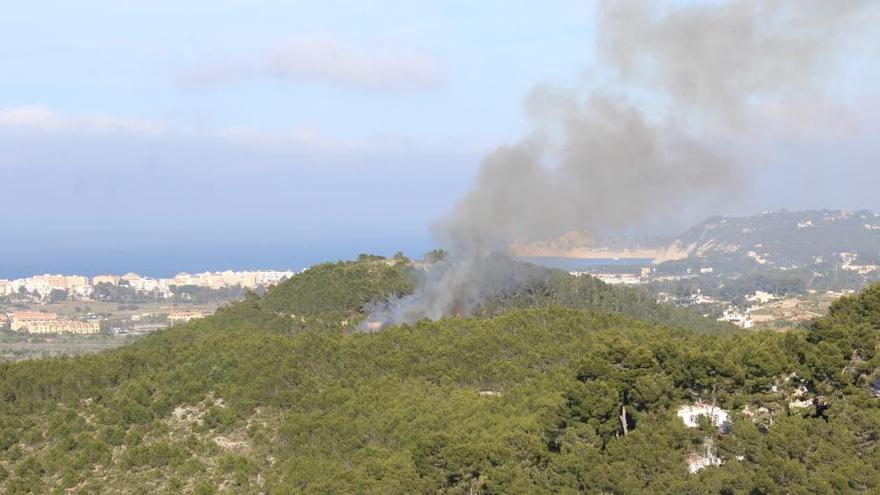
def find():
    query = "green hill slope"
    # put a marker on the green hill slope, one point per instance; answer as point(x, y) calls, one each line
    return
point(527, 401)
point(559, 288)
point(337, 295)
point(340, 289)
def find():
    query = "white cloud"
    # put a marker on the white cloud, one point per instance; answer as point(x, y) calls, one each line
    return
point(47, 124)
point(308, 139)
point(44, 118)
point(30, 116)
point(326, 59)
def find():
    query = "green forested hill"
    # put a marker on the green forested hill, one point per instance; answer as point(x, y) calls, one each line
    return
point(254, 400)
point(336, 295)
point(342, 288)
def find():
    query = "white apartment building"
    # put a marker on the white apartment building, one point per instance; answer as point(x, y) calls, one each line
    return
point(80, 286)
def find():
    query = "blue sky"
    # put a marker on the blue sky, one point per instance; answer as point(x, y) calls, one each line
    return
point(325, 127)
point(110, 57)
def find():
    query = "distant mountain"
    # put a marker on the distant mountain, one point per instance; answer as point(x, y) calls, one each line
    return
point(821, 241)
point(818, 240)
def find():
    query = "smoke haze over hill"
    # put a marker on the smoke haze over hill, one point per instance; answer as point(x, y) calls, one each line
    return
point(595, 162)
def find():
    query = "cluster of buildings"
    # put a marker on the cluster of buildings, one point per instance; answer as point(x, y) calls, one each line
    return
point(84, 288)
point(848, 262)
point(644, 276)
point(39, 322)
point(79, 286)
point(75, 285)
point(742, 319)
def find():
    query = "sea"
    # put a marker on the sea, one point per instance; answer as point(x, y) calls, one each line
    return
point(585, 264)
point(168, 261)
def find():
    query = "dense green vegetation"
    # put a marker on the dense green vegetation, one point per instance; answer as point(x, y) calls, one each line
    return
point(269, 396)
point(335, 295)
point(558, 288)
point(340, 289)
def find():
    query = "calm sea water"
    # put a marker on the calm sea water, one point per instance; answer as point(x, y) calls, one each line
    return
point(576, 264)
point(168, 261)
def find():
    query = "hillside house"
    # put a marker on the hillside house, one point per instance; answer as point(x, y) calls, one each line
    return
point(690, 415)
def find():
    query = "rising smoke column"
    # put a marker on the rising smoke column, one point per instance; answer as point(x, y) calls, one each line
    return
point(608, 169)
point(720, 58)
point(596, 163)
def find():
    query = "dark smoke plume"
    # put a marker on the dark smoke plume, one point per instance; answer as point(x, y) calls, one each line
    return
point(596, 163)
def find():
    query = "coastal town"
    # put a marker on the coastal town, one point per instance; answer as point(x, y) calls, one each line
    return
point(746, 309)
point(80, 286)
point(120, 305)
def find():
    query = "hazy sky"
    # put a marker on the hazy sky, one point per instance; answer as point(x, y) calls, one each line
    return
point(341, 126)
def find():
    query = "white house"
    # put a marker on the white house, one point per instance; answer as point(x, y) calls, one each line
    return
point(690, 416)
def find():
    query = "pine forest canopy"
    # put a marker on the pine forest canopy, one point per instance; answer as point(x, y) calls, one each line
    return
point(566, 385)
